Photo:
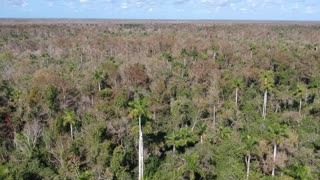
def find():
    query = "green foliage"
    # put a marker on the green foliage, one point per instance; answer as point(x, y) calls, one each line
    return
point(106, 93)
point(138, 107)
point(167, 56)
point(117, 164)
point(52, 95)
point(4, 171)
point(267, 80)
point(191, 166)
point(69, 117)
point(301, 172)
point(181, 138)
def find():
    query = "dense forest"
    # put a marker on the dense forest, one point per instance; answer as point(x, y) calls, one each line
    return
point(237, 101)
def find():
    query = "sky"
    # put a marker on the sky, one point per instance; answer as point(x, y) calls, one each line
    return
point(163, 9)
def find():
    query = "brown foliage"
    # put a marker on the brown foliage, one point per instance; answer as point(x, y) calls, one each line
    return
point(135, 75)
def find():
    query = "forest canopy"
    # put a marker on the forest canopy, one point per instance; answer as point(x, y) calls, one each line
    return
point(213, 101)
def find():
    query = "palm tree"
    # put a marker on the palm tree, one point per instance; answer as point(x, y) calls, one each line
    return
point(252, 49)
point(276, 132)
point(250, 143)
point(267, 84)
point(200, 129)
point(180, 138)
point(237, 84)
point(300, 92)
point(173, 140)
point(167, 56)
point(69, 119)
point(191, 166)
point(139, 109)
point(99, 76)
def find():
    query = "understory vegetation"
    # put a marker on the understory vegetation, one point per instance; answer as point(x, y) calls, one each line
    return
point(215, 101)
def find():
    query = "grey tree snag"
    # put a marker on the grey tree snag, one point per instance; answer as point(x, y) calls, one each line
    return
point(141, 166)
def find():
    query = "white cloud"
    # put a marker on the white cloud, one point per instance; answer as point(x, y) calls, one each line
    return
point(124, 5)
point(310, 10)
point(243, 9)
point(18, 3)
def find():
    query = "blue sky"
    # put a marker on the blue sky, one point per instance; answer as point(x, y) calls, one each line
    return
point(163, 9)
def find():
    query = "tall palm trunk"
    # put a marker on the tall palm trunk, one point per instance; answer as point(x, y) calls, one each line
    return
point(248, 159)
point(140, 151)
point(214, 117)
point(192, 175)
point(236, 97)
point(264, 108)
point(274, 157)
point(300, 105)
point(71, 131)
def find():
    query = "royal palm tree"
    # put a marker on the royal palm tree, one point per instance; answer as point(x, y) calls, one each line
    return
point(250, 143)
point(139, 109)
point(276, 133)
point(180, 138)
point(267, 84)
point(69, 118)
point(238, 84)
point(191, 166)
point(300, 92)
point(99, 76)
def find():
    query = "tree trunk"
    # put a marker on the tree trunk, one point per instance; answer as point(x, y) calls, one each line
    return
point(71, 131)
point(274, 157)
point(264, 108)
point(192, 175)
point(99, 86)
point(174, 149)
point(248, 159)
point(236, 98)
point(201, 139)
point(92, 100)
point(300, 105)
point(140, 151)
